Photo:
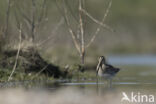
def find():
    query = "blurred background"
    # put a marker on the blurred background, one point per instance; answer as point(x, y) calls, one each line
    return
point(133, 22)
point(132, 40)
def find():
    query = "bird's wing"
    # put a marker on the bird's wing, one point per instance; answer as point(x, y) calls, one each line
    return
point(109, 66)
point(111, 69)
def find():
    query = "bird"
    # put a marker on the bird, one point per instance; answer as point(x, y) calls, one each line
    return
point(106, 71)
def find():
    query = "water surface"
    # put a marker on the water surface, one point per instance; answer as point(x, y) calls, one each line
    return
point(137, 75)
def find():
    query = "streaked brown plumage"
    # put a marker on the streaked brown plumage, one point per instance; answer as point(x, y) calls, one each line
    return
point(105, 70)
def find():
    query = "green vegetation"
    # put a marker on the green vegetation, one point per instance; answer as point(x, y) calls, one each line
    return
point(19, 76)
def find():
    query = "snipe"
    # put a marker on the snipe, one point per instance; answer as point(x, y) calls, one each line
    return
point(105, 70)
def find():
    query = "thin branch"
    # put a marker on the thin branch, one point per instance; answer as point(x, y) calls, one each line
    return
point(64, 14)
point(33, 27)
point(96, 21)
point(60, 8)
point(7, 18)
point(23, 36)
point(71, 31)
point(81, 24)
point(26, 19)
point(99, 27)
point(81, 31)
point(53, 32)
point(44, 68)
point(71, 11)
point(22, 13)
point(17, 19)
point(42, 11)
point(17, 55)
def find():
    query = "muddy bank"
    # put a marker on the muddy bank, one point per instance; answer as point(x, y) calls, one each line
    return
point(29, 60)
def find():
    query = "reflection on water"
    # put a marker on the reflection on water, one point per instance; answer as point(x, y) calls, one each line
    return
point(83, 84)
point(72, 92)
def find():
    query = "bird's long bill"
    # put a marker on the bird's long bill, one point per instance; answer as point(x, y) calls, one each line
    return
point(97, 68)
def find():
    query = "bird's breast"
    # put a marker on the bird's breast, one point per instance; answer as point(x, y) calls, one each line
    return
point(100, 72)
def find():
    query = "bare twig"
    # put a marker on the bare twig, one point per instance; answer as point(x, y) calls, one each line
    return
point(53, 32)
point(82, 32)
point(78, 35)
point(40, 71)
point(42, 11)
point(33, 27)
point(17, 55)
point(96, 21)
point(27, 18)
point(99, 27)
point(30, 21)
point(7, 19)
point(71, 31)
point(71, 11)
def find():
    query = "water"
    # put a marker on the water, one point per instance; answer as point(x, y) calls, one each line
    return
point(137, 75)
point(74, 92)
point(133, 59)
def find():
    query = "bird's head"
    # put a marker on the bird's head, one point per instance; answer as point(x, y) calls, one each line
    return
point(102, 59)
